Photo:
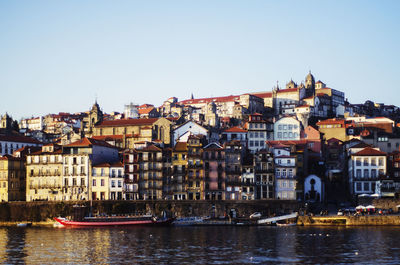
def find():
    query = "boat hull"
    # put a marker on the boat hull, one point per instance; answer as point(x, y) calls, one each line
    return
point(150, 222)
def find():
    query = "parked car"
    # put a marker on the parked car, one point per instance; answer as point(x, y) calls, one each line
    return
point(255, 215)
point(340, 212)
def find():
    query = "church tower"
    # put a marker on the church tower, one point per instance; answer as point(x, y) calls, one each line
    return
point(310, 85)
point(95, 116)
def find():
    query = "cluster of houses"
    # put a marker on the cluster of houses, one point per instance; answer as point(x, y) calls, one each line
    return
point(304, 142)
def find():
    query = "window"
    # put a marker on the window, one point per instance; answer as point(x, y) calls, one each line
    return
point(358, 173)
point(366, 173)
point(279, 135)
point(365, 161)
point(113, 184)
point(290, 172)
point(366, 186)
point(373, 173)
point(279, 127)
point(373, 162)
point(102, 183)
point(278, 172)
point(284, 135)
point(119, 183)
point(358, 186)
point(381, 161)
point(94, 183)
point(284, 172)
point(102, 172)
point(358, 161)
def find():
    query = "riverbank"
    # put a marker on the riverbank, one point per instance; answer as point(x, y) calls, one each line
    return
point(366, 220)
point(41, 211)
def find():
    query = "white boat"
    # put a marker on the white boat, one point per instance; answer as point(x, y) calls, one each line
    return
point(24, 224)
point(290, 224)
point(185, 221)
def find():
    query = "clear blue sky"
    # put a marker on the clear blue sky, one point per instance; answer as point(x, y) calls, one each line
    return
point(56, 56)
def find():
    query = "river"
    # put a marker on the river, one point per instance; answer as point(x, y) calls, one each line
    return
point(200, 245)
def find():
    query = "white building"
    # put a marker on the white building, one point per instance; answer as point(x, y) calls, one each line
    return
point(12, 142)
point(116, 181)
point(287, 128)
point(365, 168)
point(257, 133)
point(182, 133)
point(285, 177)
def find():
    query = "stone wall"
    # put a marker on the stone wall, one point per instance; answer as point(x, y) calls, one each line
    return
point(349, 220)
point(42, 211)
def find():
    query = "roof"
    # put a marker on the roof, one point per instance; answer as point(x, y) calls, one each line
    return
point(208, 100)
point(145, 110)
point(331, 121)
point(127, 122)
point(236, 129)
point(361, 145)
point(89, 142)
point(181, 147)
point(289, 90)
point(18, 139)
point(369, 151)
point(151, 148)
point(262, 94)
point(108, 137)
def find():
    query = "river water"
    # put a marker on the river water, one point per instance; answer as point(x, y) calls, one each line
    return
point(200, 245)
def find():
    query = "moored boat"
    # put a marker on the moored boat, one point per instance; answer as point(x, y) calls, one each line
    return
point(102, 221)
point(188, 221)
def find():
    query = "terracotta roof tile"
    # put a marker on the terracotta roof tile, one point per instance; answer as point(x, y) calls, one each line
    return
point(236, 129)
point(369, 151)
point(127, 122)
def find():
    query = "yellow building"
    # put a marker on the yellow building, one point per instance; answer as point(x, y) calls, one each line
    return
point(12, 179)
point(179, 172)
point(43, 178)
point(100, 179)
point(135, 130)
point(194, 184)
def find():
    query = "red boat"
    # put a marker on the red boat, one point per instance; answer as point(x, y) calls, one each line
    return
point(101, 221)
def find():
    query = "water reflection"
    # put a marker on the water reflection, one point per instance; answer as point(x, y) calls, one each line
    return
point(200, 245)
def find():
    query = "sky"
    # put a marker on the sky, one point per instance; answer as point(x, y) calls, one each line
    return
point(60, 56)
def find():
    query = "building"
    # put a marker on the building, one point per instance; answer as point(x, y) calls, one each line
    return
point(180, 171)
point(214, 172)
point(264, 175)
point(12, 179)
point(248, 178)
point(233, 170)
point(235, 134)
point(258, 132)
point(11, 142)
point(194, 184)
point(44, 179)
point(100, 189)
point(182, 132)
point(131, 168)
point(366, 167)
point(131, 131)
point(287, 128)
point(78, 159)
point(151, 173)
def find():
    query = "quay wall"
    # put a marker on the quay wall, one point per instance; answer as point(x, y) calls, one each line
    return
point(349, 220)
point(42, 211)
